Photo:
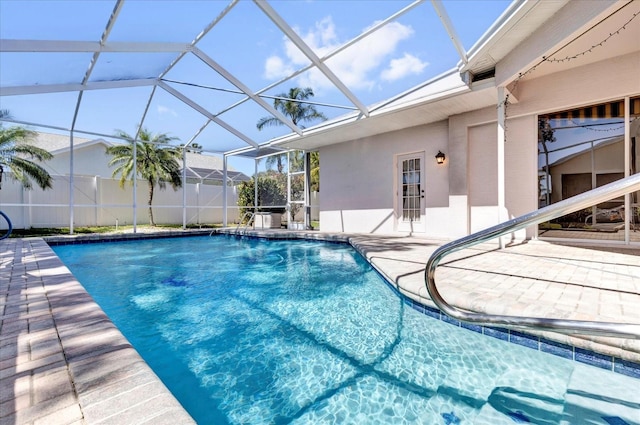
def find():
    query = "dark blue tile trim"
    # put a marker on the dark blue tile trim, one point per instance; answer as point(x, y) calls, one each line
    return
point(499, 333)
point(90, 239)
point(450, 320)
point(472, 327)
point(524, 339)
point(621, 366)
point(556, 348)
point(594, 359)
point(626, 368)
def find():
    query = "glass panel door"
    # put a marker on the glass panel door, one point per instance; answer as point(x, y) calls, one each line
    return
point(411, 194)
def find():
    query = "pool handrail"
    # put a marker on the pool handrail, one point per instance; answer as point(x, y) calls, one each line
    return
point(251, 217)
point(567, 326)
point(9, 226)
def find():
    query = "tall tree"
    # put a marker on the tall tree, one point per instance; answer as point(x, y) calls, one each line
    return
point(16, 154)
point(157, 162)
point(292, 106)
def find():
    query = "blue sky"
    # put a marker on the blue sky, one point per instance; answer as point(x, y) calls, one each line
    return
point(246, 43)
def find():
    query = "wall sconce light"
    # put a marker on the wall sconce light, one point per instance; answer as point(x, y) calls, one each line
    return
point(440, 157)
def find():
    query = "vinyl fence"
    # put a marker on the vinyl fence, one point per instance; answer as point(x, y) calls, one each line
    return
point(100, 201)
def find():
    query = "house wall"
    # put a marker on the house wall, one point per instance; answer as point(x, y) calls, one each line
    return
point(359, 174)
point(360, 179)
point(89, 161)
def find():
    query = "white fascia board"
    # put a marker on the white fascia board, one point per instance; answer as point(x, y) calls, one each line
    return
point(59, 88)
point(445, 87)
point(47, 46)
point(430, 89)
point(504, 23)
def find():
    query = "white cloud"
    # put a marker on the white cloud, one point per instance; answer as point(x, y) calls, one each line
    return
point(356, 66)
point(164, 110)
point(400, 68)
point(275, 68)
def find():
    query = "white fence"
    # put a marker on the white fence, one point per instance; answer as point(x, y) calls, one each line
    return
point(101, 202)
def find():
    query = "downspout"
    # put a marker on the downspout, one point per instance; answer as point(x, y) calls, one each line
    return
point(628, 211)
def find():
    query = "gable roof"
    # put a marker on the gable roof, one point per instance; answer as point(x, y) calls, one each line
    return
point(210, 166)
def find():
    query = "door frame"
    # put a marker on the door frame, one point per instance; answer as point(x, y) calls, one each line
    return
point(415, 223)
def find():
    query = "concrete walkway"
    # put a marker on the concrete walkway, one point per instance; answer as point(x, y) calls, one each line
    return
point(62, 361)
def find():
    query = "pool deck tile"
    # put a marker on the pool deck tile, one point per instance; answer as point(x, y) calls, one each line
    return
point(62, 361)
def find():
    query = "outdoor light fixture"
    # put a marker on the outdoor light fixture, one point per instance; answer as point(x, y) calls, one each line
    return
point(440, 157)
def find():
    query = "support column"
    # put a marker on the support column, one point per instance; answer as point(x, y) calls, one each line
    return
point(255, 186)
point(184, 188)
point(307, 190)
point(225, 205)
point(135, 185)
point(71, 174)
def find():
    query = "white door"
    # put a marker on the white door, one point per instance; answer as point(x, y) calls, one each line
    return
point(410, 207)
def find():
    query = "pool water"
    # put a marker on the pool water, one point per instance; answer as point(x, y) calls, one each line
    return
point(248, 331)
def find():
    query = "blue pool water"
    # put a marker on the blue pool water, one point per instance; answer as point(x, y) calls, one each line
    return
point(247, 331)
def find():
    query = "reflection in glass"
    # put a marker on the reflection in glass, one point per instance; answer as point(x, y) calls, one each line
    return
point(580, 150)
point(411, 189)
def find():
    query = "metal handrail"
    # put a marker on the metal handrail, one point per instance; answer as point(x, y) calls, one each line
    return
point(251, 217)
point(575, 203)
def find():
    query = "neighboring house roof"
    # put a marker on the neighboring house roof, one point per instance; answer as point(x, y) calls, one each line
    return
point(55, 143)
point(199, 166)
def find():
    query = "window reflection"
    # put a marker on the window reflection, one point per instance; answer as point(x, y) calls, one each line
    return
point(411, 189)
point(582, 149)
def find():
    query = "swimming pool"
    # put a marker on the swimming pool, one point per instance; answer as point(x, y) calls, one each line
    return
point(254, 331)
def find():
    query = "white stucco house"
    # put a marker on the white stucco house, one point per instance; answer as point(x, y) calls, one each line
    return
point(562, 60)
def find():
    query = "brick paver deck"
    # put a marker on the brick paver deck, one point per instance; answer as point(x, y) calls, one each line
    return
point(62, 361)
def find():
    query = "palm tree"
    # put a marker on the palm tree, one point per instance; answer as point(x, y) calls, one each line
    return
point(292, 106)
point(315, 171)
point(156, 161)
point(16, 154)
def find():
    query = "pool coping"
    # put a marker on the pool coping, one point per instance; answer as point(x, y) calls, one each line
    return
point(63, 360)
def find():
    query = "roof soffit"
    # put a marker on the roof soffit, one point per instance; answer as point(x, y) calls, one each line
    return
point(575, 25)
